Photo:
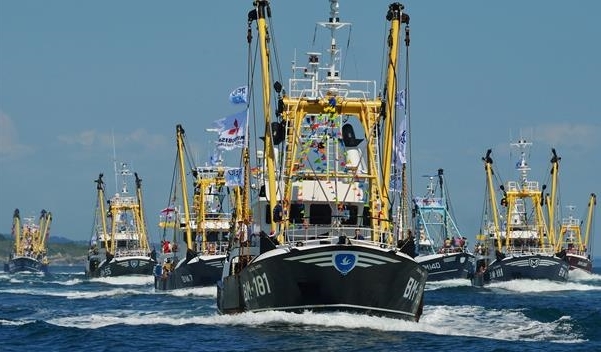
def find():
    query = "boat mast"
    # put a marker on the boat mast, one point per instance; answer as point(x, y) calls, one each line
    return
point(394, 15)
point(589, 220)
point(101, 201)
point(140, 215)
point(492, 197)
point(180, 133)
point(261, 11)
point(444, 203)
point(17, 231)
point(551, 205)
point(45, 221)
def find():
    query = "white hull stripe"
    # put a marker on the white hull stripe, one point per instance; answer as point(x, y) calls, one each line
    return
point(327, 256)
point(542, 262)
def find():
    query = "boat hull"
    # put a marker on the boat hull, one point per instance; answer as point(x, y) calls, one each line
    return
point(447, 266)
point(327, 278)
point(579, 262)
point(532, 267)
point(120, 266)
point(198, 272)
point(25, 264)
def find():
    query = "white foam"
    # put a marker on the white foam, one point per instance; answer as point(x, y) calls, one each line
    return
point(530, 286)
point(208, 291)
point(70, 282)
point(436, 285)
point(4, 322)
point(471, 321)
point(581, 275)
point(76, 294)
point(126, 280)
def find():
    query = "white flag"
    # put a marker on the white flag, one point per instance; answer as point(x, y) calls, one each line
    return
point(239, 95)
point(400, 99)
point(232, 131)
point(401, 143)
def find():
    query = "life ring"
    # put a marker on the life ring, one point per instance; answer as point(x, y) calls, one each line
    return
point(212, 248)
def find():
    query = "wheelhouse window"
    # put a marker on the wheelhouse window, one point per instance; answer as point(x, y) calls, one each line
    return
point(321, 214)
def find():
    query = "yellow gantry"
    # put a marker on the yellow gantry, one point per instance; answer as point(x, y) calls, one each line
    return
point(261, 11)
point(30, 237)
point(180, 133)
point(589, 220)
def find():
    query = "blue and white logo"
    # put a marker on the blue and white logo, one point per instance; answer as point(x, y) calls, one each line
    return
point(133, 263)
point(534, 262)
point(344, 261)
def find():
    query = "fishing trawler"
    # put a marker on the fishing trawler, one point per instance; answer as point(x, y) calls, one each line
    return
point(518, 240)
point(119, 244)
point(441, 247)
point(202, 232)
point(326, 241)
point(572, 243)
point(29, 252)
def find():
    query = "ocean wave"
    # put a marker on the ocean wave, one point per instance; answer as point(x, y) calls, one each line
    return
point(538, 286)
point(208, 291)
point(125, 280)
point(437, 285)
point(465, 321)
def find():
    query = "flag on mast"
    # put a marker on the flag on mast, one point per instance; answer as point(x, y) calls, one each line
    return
point(232, 131)
point(239, 95)
point(233, 176)
point(401, 139)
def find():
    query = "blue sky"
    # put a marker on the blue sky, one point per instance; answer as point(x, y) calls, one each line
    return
point(73, 74)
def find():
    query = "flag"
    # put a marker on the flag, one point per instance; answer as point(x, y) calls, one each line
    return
point(233, 176)
point(400, 99)
point(167, 210)
point(239, 95)
point(215, 159)
point(232, 131)
point(401, 143)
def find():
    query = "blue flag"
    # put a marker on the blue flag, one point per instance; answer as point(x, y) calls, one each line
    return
point(239, 95)
point(233, 176)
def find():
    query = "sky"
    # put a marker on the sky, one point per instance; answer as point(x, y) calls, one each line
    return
point(82, 81)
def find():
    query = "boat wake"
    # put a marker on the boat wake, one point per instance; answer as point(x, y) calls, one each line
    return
point(205, 291)
point(477, 322)
point(536, 286)
point(77, 294)
point(582, 276)
point(132, 280)
point(437, 285)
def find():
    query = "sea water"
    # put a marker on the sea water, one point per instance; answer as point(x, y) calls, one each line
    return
point(64, 311)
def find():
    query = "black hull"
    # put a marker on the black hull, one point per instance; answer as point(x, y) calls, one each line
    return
point(198, 272)
point(579, 262)
point(25, 264)
point(532, 267)
point(375, 282)
point(447, 266)
point(121, 266)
